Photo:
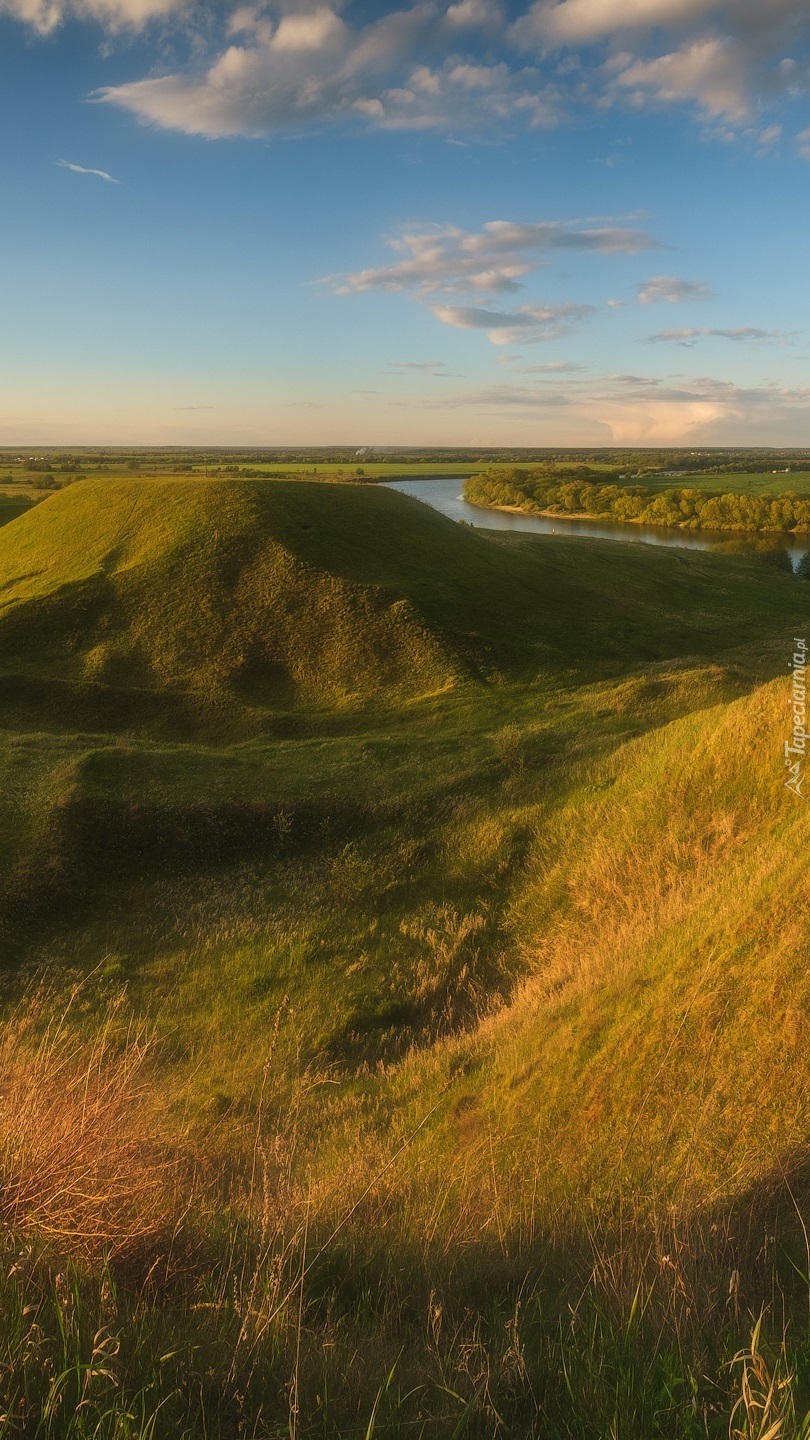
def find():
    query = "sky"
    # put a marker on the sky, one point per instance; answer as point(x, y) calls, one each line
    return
point(449, 222)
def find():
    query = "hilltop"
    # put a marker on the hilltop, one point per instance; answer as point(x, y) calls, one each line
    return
point(206, 587)
point(252, 596)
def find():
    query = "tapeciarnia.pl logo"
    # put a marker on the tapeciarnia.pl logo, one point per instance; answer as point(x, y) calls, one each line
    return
point(796, 746)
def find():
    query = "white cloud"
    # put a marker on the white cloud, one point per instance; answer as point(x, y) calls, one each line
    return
point(634, 409)
point(690, 335)
point(83, 170)
point(320, 30)
point(479, 77)
point(445, 262)
point(730, 57)
point(803, 142)
point(705, 409)
point(672, 289)
point(401, 71)
point(709, 71)
point(493, 260)
point(662, 423)
point(473, 13)
point(529, 323)
point(44, 16)
point(423, 65)
point(583, 21)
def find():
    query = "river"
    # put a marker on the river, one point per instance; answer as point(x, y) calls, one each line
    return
point(444, 494)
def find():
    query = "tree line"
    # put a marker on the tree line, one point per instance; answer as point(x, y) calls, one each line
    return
point(686, 508)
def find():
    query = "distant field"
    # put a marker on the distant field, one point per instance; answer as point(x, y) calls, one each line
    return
point(53, 469)
point(17, 483)
point(383, 470)
point(751, 483)
point(216, 465)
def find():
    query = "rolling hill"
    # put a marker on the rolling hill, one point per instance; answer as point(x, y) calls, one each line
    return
point(280, 595)
point(419, 1020)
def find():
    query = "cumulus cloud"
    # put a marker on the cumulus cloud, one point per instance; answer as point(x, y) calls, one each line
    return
point(529, 323)
point(83, 170)
point(727, 56)
point(467, 13)
point(635, 409)
point(691, 334)
point(672, 289)
point(439, 263)
point(400, 71)
point(44, 16)
point(493, 260)
point(705, 408)
point(583, 21)
point(421, 64)
point(708, 70)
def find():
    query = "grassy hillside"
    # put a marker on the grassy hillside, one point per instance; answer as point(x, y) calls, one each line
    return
point(404, 1030)
point(627, 1137)
point(256, 597)
point(658, 1044)
point(193, 586)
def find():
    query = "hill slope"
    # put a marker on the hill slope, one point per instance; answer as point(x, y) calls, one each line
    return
point(658, 1048)
point(282, 594)
point(505, 992)
point(190, 586)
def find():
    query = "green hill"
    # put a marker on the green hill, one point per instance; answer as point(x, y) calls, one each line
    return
point(441, 1018)
point(658, 1044)
point(206, 587)
point(288, 594)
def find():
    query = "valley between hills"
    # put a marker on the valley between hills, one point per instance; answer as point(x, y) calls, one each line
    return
point(406, 1010)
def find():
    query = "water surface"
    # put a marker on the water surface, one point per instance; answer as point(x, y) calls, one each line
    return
point(443, 493)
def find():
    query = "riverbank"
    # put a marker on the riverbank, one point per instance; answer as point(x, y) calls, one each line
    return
point(584, 516)
point(685, 509)
point(444, 495)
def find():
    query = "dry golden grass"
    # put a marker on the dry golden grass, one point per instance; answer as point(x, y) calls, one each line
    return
point(81, 1161)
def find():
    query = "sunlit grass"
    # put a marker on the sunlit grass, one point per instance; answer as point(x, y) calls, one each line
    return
point(434, 1063)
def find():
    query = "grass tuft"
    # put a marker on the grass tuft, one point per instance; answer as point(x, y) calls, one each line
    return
point(82, 1165)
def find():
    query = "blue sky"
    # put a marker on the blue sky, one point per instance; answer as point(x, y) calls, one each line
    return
point(568, 222)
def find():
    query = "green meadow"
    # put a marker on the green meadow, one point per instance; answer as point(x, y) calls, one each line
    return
point(404, 1002)
point(755, 471)
point(774, 482)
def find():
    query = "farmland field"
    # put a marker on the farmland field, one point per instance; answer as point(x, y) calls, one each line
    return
point(774, 482)
point(28, 474)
